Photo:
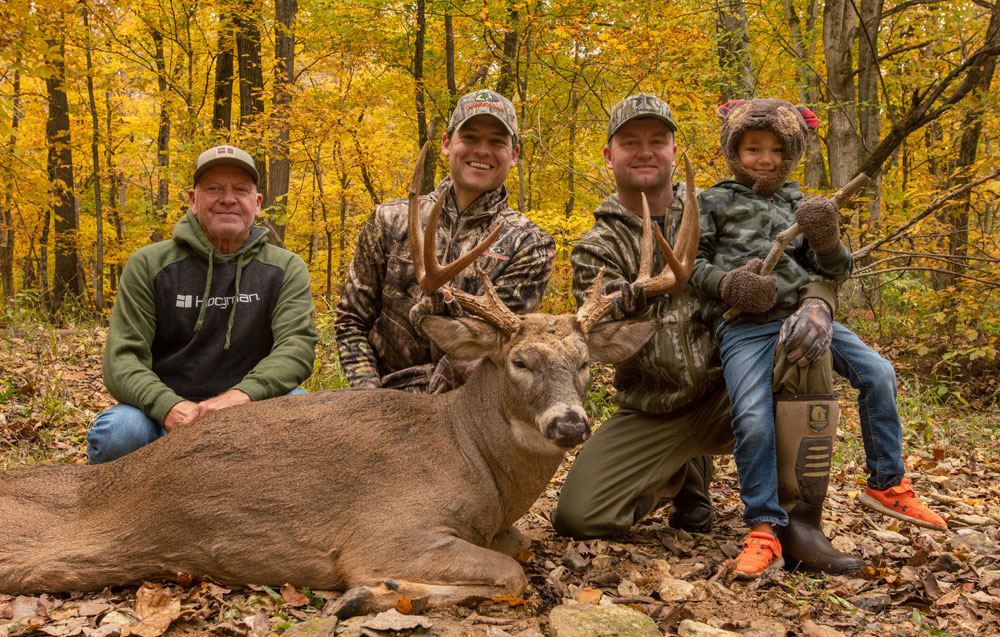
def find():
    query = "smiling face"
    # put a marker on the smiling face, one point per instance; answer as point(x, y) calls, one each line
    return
point(226, 202)
point(641, 156)
point(480, 154)
point(760, 152)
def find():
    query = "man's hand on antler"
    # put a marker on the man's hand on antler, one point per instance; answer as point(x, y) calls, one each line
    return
point(629, 300)
point(820, 222)
point(807, 333)
point(745, 288)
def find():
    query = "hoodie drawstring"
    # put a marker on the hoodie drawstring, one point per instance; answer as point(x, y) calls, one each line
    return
point(232, 312)
point(204, 296)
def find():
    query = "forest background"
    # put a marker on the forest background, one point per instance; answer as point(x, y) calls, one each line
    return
point(104, 107)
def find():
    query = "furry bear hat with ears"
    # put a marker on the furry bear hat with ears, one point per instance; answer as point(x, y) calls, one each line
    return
point(791, 124)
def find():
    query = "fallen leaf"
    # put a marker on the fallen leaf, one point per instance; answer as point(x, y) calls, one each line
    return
point(292, 597)
point(589, 595)
point(156, 611)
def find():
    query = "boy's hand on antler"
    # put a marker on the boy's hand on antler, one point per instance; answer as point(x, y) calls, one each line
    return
point(820, 223)
point(630, 300)
point(745, 288)
point(440, 303)
point(807, 333)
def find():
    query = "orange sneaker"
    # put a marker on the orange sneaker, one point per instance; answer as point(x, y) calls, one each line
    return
point(761, 552)
point(902, 503)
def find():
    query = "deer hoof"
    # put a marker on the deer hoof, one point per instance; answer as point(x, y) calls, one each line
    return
point(355, 601)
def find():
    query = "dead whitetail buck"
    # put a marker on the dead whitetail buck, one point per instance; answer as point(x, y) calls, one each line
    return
point(385, 493)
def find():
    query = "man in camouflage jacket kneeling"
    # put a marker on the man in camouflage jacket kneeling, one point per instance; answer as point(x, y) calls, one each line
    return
point(377, 342)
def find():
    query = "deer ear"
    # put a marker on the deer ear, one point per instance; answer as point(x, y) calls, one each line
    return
point(614, 341)
point(464, 337)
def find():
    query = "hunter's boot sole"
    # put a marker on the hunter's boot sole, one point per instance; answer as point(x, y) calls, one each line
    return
point(805, 428)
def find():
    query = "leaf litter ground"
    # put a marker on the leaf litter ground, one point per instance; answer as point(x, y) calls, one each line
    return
point(916, 581)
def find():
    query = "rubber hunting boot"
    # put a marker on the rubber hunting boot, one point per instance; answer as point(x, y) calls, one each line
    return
point(805, 428)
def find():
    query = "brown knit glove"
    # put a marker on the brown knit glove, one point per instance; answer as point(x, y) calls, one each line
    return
point(820, 223)
point(746, 289)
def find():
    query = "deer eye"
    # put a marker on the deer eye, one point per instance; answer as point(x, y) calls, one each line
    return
point(584, 366)
point(519, 364)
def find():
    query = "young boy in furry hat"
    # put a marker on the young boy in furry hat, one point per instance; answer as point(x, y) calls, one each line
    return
point(784, 426)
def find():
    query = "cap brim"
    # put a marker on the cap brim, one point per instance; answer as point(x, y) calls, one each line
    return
point(670, 124)
point(227, 161)
point(513, 135)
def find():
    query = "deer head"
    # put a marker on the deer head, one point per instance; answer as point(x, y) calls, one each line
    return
point(544, 359)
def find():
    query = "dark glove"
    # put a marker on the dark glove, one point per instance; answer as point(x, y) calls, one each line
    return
point(745, 288)
point(440, 303)
point(629, 300)
point(820, 222)
point(807, 333)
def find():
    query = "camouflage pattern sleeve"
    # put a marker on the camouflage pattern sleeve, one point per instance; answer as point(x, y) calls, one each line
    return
point(523, 281)
point(705, 277)
point(587, 258)
point(360, 305)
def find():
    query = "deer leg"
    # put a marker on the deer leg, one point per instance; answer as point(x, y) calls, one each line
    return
point(510, 542)
point(455, 572)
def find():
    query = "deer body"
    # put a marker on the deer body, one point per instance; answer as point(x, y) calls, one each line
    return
point(332, 490)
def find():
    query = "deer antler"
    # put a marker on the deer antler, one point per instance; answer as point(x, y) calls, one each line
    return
point(674, 275)
point(432, 276)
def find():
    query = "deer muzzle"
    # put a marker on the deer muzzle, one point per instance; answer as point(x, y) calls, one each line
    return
point(567, 427)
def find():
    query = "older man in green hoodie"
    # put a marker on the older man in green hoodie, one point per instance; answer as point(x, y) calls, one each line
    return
point(211, 318)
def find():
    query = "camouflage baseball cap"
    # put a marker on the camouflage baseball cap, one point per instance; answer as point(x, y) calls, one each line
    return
point(225, 156)
point(639, 105)
point(485, 102)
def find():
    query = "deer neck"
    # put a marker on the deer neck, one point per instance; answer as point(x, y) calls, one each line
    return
point(520, 460)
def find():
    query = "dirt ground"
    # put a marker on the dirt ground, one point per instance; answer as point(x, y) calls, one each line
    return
point(916, 581)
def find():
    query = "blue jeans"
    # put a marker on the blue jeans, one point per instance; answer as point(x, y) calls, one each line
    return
point(748, 364)
point(123, 429)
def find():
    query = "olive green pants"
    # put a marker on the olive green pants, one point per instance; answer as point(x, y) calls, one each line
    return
point(636, 458)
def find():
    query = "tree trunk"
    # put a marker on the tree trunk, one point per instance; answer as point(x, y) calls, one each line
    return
point(733, 47)
point(507, 81)
point(116, 200)
point(420, 95)
point(222, 104)
point(839, 32)
point(162, 141)
point(814, 172)
point(7, 233)
point(276, 202)
point(66, 281)
point(246, 19)
point(869, 116)
point(98, 276)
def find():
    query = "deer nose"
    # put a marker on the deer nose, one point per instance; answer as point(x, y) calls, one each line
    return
point(569, 428)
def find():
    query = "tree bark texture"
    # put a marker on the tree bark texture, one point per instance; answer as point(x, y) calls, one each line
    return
point(66, 280)
point(733, 48)
point(222, 102)
point(162, 140)
point(839, 32)
point(98, 276)
point(7, 233)
point(276, 202)
point(814, 172)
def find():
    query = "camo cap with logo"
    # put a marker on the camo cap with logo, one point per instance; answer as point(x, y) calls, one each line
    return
point(639, 105)
point(485, 102)
point(225, 156)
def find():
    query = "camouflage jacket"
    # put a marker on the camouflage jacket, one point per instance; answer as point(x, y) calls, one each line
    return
point(737, 225)
point(680, 364)
point(376, 341)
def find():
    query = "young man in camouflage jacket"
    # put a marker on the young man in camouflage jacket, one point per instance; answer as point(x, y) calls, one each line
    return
point(377, 342)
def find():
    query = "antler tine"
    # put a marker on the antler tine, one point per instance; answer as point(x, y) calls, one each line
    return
point(596, 306)
point(675, 275)
point(430, 274)
point(646, 245)
point(413, 218)
point(489, 307)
